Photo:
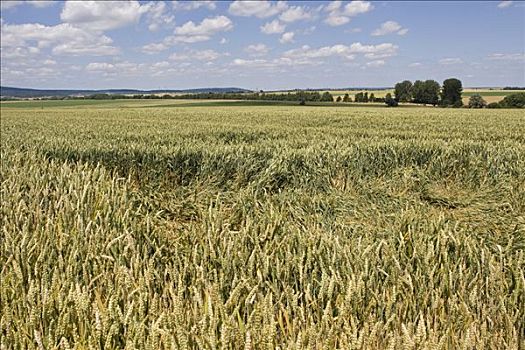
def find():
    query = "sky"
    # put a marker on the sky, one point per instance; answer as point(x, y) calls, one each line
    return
point(260, 44)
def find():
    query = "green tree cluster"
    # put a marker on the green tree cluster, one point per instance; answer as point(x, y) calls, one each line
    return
point(430, 92)
point(516, 100)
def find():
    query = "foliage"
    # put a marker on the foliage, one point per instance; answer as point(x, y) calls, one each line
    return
point(262, 228)
point(451, 93)
point(426, 92)
point(327, 97)
point(476, 101)
point(390, 102)
point(347, 98)
point(403, 91)
point(516, 100)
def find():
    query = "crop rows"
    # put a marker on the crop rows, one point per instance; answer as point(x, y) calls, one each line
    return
point(262, 228)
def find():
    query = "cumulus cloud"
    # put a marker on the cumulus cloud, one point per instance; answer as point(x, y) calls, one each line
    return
point(119, 69)
point(257, 49)
point(287, 38)
point(390, 27)
point(507, 57)
point(339, 15)
point(200, 55)
point(273, 27)
point(62, 39)
point(333, 6)
point(504, 4)
point(355, 8)
point(193, 5)
point(335, 20)
point(102, 15)
point(6, 5)
point(191, 32)
point(207, 27)
point(159, 16)
point(295, 13)
point(273, 63)
point(450, 61)
point(348, 52)
point(376, 63)
point(260, 9)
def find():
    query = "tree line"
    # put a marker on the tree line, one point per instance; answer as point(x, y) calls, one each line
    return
point(430, 92)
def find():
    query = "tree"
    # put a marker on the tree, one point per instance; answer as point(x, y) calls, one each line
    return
point(403, 91)
point(327, 97)
point(339, 99)
point(390, 102)
point(418, 91)
point(347, 98)
point(431, 92)
point(372, 98)
point(451, 94)
point(359, 97)
point(426, 92)
point(513, 101)
point(365, 97)
point(476, 101)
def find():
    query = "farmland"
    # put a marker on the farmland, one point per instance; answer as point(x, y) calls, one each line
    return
point(490, 95)
point(127, 224)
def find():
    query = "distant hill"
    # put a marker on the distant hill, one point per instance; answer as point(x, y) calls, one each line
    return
point(7, 91)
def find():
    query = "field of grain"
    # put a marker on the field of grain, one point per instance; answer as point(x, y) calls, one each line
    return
point(262, 227)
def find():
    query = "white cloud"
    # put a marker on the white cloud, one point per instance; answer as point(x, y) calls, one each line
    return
point(274, 63)
point(190, 33)
point(450, 61)
point(415, 64)
point(154, 48)
point(6, 5)
point(62, 38)
point(159, 16)
point(207, 27)
point(326, 51)
point(202, 55)
point(295, 13)
point(273, 27)
point(223, 41)
point(99, 66)
point(160, 65)
point(355, 8)
point(102, 15)
point(260, 9)
point(507, 56)
point(193, 5)
point(257, 49)
point(287, 38)
point(338, 16)
point(333, 6)
point(335, 20)
point(377, 63)
point(390, 27)
point(250, 63)
point(348, 52)
point(504, 4)
point(125, 68)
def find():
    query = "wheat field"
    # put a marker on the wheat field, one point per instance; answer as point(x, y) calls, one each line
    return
point(275, 227)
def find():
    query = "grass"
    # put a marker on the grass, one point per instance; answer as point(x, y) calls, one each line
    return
point(257, 227)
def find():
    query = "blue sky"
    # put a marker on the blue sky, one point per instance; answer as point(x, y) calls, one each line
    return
point(260, 44)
